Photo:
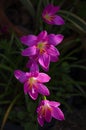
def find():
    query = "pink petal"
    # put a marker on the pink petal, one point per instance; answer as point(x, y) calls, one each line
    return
point(48, 115)
point(53, 103)
point(55, 39)
point(57, 113)
point(54, 9)
point(51, 9)
point(26, 85)
point(54, 58)
point(58, 20)
point(44, 60)
point(40, 121)
point(42, 35)
point(28, 40)
point(42, 89)
point(33, 93)
point(53, 51)
point(29, 51)
point(18, 73)
point(42, 77)
point(47, 9)
point(33, 66)
point(21, 76)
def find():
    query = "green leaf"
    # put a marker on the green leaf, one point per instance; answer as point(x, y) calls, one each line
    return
point(8, 111)
point(78, 66)
point(76, 21)
point(29, 7)
point(7, 59)
point(2, 66)
point(30, 126)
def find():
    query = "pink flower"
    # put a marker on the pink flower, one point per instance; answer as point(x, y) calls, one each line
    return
point(33, 83)
point(50, 17)
point(41, 48)
point(48, 109)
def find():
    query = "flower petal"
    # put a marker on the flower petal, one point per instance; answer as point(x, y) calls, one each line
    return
point(26, 85)
point(42, 89)
point(54, 58)
point(58, 20)
point(33, 93)
point(33, 66)
point(57, 113)
point(55, 39)
point(48, 115)
point(44, 61)
point(28, 40)
point(42, 77)
point(40, 120)
point(53, 103)
point(21, 76)
point(53, 51)
point(50, 9)
point(29, 51)
point(42, 35)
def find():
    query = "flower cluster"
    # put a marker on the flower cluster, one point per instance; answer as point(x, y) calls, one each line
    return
point(41, 51)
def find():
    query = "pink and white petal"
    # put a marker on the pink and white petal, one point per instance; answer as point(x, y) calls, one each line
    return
point(55, 39)
point(42, 89)
point(59, 38)
point(57, 113)
point(33, 93)
point(44, 60)
point(53, 103)
point(29, 40)
point(47, 9)
point(34, 67)
point(58, 20)
point(28, 64)
point(29, 51)
point(18, 73)
point(53, 51)
point(54, 58)
point(55, 9)
point(26, 85)
point(42, 77)
point(40, 120)
point(42, 35)
point(21, 76)
point(48, 115)
point(48, 22)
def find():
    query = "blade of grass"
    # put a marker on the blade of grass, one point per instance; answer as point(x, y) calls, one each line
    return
point(29, 6)
point(78, 22)
point(2, 66)
point(8, 111)
point(7, 59)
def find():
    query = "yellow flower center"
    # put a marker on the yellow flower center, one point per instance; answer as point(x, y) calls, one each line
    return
point(32, 81)
point(44, 109)
point(48, 17)
point(41, 46)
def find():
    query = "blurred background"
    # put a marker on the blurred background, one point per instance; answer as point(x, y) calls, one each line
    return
point(68, 76)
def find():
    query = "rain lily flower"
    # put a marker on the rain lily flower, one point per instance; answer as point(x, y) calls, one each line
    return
point(41, 48)
point(50, 17)
point(48, 109)
point(33, 83)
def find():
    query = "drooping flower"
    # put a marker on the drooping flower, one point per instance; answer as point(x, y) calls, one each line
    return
point(41, 48)
point(33, 83)
point(48, 109)
point(50, 17)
